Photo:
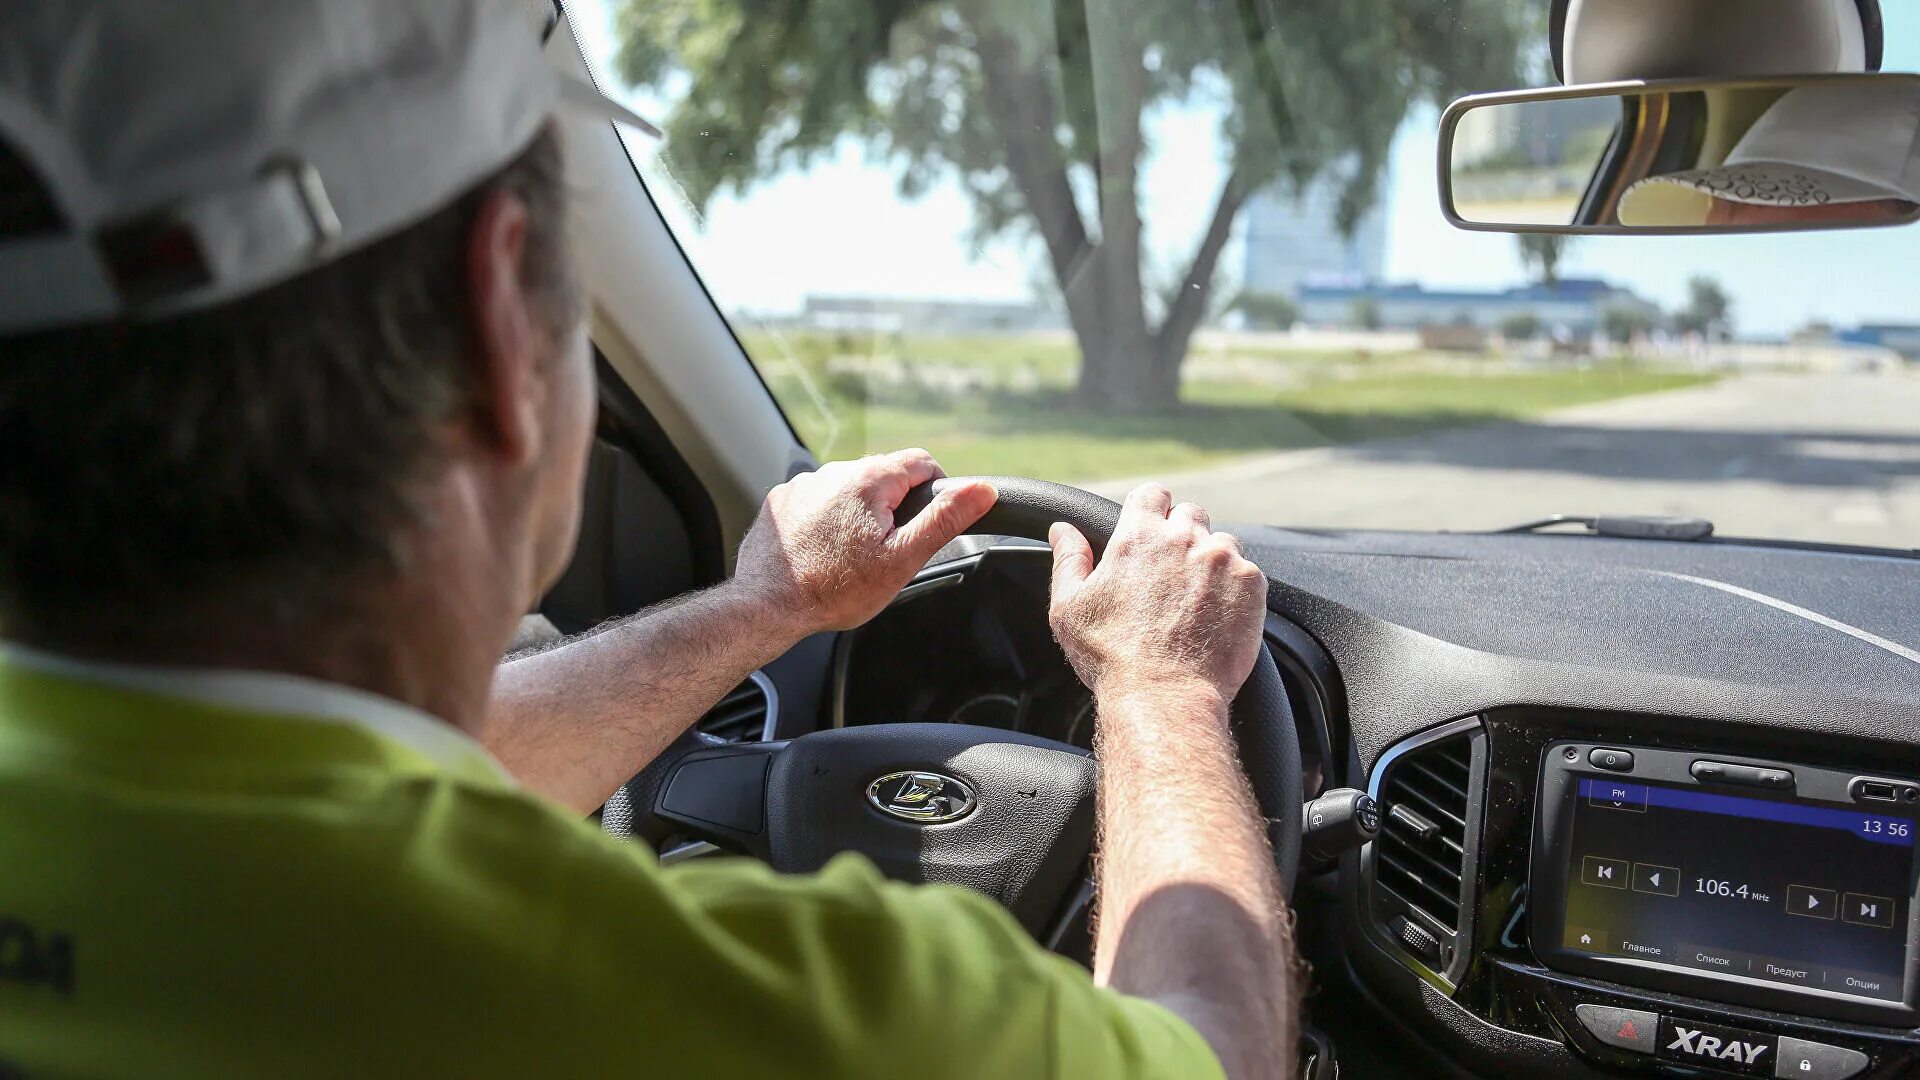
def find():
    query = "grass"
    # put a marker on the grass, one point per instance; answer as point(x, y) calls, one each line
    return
point(1002, 405)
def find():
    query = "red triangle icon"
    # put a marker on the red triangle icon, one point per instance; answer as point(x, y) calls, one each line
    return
point(1626, 1031)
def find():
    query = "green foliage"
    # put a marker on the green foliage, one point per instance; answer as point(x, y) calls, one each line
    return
point(1309, 84)
point(1036, 108)
point(1622, 324)
point(1520, 326)
point(1540, 253)
point(1267, 311)
point(1709, 311)
point(1364, 313)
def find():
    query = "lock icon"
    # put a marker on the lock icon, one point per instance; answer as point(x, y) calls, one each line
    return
point(1806, 1065)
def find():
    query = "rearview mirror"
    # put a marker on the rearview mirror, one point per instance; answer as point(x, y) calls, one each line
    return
point(1686, 156)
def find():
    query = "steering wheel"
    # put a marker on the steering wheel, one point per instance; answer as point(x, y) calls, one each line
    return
point(1008, 814)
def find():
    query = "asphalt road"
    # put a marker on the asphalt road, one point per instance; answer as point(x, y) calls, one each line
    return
point(1813, 457)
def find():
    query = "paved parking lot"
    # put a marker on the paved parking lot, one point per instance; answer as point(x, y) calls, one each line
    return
point(1818, 457)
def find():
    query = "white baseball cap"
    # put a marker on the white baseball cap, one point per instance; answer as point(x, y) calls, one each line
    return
point(201, 151)
point(1818, 145)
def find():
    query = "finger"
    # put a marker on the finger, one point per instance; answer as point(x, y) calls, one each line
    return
point(949, 514)
point(1191, 515)
point(1072, 559)
point(1144, 503)
point(1230, 542)
point(885, 479)
point(919, 465)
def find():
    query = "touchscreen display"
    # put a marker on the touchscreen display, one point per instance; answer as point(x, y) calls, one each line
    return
point(1774, 890)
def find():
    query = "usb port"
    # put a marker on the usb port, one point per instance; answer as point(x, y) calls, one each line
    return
point(1878, 790)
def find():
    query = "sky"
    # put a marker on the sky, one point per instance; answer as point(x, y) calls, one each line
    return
point(839, 227)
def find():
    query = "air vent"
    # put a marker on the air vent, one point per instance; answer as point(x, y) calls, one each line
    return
point(1422, 890)
point(745, 715)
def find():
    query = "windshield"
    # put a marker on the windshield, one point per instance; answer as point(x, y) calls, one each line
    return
point(1099, 240)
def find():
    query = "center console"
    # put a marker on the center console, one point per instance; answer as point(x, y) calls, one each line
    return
point(1607, 893)
point(1756, 882)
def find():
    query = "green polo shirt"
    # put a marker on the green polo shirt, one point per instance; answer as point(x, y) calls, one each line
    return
point(255, 876)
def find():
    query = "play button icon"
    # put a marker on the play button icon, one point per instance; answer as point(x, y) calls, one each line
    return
point(1810, 902)
point(1656, 879)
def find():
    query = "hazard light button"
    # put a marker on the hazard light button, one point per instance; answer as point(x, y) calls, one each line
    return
point(1627, 1029)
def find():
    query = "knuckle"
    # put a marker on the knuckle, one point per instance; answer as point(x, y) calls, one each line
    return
point(1217, 557)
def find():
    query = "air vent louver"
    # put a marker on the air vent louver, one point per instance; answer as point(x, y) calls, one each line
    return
point(744, 715)
point(1420, 857)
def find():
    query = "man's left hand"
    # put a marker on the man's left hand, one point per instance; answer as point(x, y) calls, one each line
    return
point(824, 550)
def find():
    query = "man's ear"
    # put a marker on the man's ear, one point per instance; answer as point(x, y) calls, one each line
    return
point(506, 335)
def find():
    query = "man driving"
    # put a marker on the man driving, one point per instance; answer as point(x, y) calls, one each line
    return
point(295, 404)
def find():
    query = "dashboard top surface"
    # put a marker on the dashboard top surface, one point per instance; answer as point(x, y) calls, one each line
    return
point(1428, 627)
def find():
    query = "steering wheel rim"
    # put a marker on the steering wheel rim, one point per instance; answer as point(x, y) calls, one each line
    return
point(1262, 715)
point(798, 802)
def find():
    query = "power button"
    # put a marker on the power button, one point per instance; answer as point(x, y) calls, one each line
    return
point(1601, 757)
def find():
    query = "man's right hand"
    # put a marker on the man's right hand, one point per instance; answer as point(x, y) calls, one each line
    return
point(824, 554)
point(1172, 601)
point(1163, 631)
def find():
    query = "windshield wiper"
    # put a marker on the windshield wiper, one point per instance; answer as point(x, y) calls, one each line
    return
point(1624, 526)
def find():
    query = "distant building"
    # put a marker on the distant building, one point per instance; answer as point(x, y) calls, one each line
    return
point(1574, 306)
point(1901, 338)
point(1293, 239)
point(880, 314)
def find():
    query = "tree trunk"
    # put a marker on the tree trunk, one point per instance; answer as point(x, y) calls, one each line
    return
point(1126, 364)
point(1120, 374)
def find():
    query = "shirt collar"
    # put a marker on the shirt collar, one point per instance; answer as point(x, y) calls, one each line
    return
point(297, 699)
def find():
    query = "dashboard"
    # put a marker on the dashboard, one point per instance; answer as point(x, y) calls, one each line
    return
point(1649, 807)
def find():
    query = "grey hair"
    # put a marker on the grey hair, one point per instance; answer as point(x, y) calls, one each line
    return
point(270, 444)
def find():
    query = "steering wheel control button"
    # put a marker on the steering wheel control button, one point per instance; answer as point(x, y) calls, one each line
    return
point(923, 798)
point(1623, 1029)
point(1604, 873)
point(728, 790)
point(1602, 757)
point(1817, 1061)
point(1811, 902)
point(1715, 1047)
point(1727, 772)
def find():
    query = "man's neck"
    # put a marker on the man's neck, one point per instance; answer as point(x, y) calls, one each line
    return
point(405, 637)
point(426, 634)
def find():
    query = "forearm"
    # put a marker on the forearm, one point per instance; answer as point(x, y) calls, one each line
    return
point(575, 722)
point(1191, 913)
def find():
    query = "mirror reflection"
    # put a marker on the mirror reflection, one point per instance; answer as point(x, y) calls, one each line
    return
point(1809, 153)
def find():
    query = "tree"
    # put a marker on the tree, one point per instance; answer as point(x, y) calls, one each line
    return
point(1623, 324)
point(1267, 311)
point(1520, 326)
point(1709, 311)
point(1364, 313)
point(1540, 254)
point(1036, 108)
